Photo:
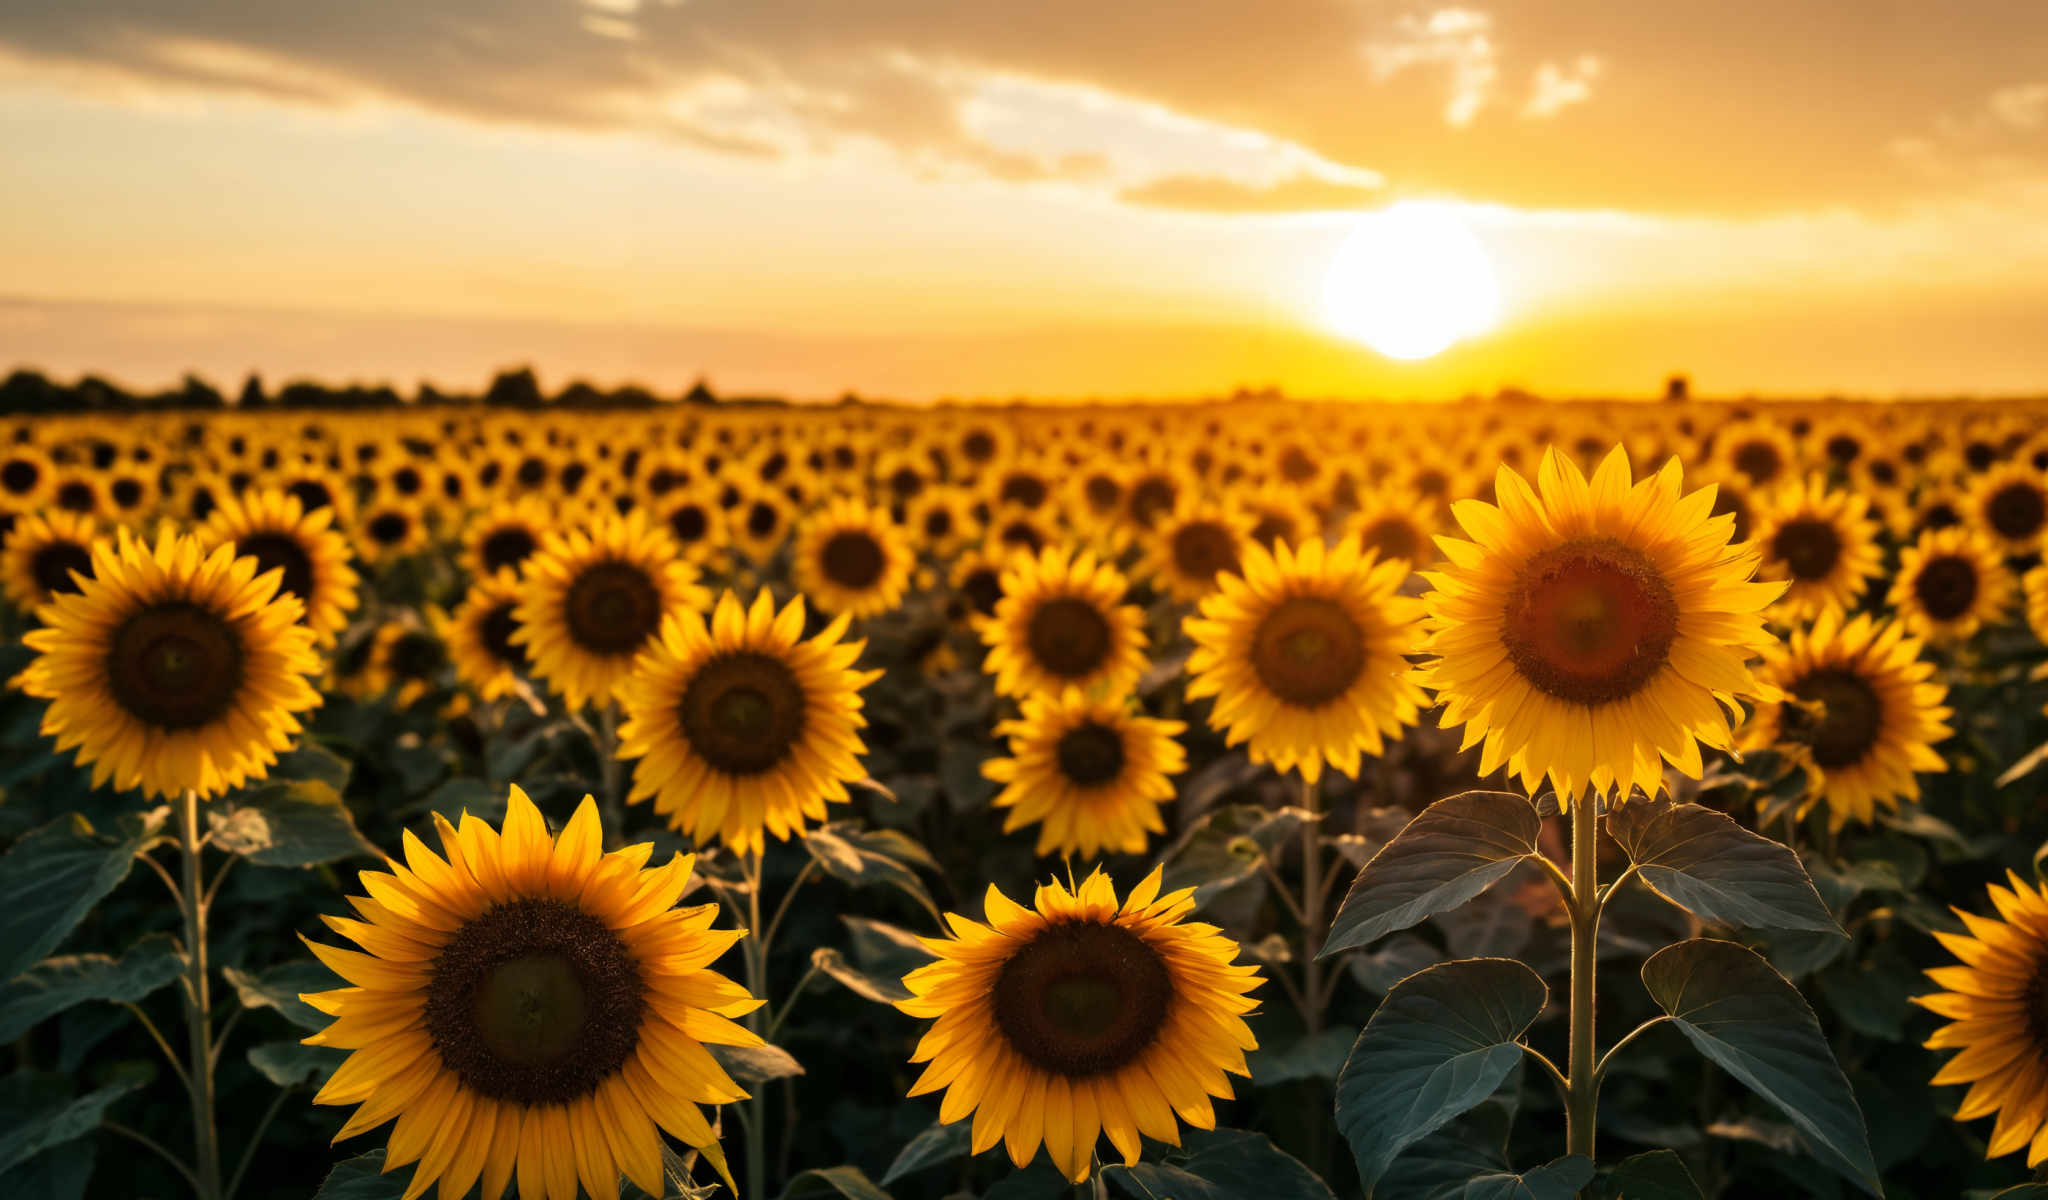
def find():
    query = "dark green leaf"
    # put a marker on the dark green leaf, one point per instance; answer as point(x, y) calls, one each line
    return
point(1558, 1180)
point(1320, 1056)
point(289, 1064)
point(1226, 1164)
point(878, 988)
point(871, 858)
point(886, 950)
point(53, 875)
point(1225, 847)
point(1441, 1042)
point(940, 1143)
point(31, 1121)
point(2025, 1191)
point(1704, 862)
point(295, 823)
point(279, 987)
point(59, 1174)
point(1657, 1175)
point(1743, 1015)
point(55, 984)
point(361, 1178)
point(1452, 851)
point(753, 1065)
point(1039, 1181)
point(1396, 959)
point(824, 1183)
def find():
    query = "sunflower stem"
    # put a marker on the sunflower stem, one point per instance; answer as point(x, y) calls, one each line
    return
point(1311, 908)
point(1582, 1074)
point(606, 739)
point(756, 961)
point(198, 1005)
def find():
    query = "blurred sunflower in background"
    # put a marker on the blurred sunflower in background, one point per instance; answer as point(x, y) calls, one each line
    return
point(389, 529)
point(741, 724)
point(1190, 549)
point(42, 555)
point(273, 528)
point(1393, 524)
point(1762, 452)
point(1859, 711)
point(1822, 542)
point(852, 559)
point(1061, 622)
point(2009, 504)
point(407, 659)
point(1077, 1018)
point(1949, 584)
point(503, 536)
point(759, 526)
point(1091, 773)
point(1992, 1001)
point(529, 1007)
point(172, 669)
point(479, 637)
point(1588, 630)
point(25, 475)
point(1303, 654)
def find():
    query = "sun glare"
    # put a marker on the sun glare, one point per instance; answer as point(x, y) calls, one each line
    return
point(1410, 281)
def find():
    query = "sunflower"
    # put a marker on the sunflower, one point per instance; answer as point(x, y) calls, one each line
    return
point(1078, 1017)
point(1150, 494)
point(1394, 524)
point(273, 528)
point(2010, 505)
point(1190, 550)
point(25, 476)
point(941, 520)
point(1061, 623)
point(478, 636)
point(1859, 713)
point(593, 599)
point(1760, 451)
point(1091, 773)
point(852, 559)
point(977, 579)
point(759, 525)
point(1950, 583)
point(172, 669)
point(1588, 629)
point(2035, 585)
point(741, 724)
point(694, 521)
point(1303, 654)
point(1993, 1002)
point(43, 553)
point(78, 492)
point(1822, 542)
point(505, 535)
point(389, 530)
point(528, 1006)
point(1279, 514)
point(407, 656)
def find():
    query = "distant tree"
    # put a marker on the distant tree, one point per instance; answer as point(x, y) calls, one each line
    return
point(699, 393)
point(29, 392)
point(252, 393)
point(1677, 389)
point(514, 389)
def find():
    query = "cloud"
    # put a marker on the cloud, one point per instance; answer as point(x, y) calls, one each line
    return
point(1557, 88)
point(1210, 194)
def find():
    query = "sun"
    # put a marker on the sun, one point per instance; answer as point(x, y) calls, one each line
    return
point(1409, 281)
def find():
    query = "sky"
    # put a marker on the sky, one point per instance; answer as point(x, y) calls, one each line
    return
point(961, 198)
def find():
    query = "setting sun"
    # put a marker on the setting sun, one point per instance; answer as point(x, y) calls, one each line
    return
point(1410, 281)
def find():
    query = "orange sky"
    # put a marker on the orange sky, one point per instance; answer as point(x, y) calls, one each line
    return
point(925, 198)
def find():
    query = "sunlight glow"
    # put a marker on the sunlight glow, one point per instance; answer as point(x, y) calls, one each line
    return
point(1410, 281)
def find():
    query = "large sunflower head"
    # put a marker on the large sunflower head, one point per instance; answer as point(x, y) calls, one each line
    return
point(1091, 773)
point(273, 528)
point(1079, 1017)
point(505, 535)
point(741, 724)
point(1949, 584)
point(44, 556)
point(594, 598)
point(1994, 1003)
point(172, 669)
point(852, 559)
point(1822, 542)
point(2009, 503)
point(530, 1007)
point(1303, 654)
point(1061, 622)
point(1859, 711)
point(478, 636)
point(1191, 549)
point(1587, 630)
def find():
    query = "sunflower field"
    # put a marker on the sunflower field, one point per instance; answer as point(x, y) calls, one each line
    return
point(1258, 799)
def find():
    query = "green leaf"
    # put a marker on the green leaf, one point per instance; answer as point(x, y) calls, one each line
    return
point(2025, 1191)
point(1226, 1164)
point(878, 988)
point(1744, 1016)
point(1557, 1180)
point(1441, 1042)
point(32, 1120)
point(290, 1065)
point(937, 1144)
point(59, 1174)
point(361, 1178)
point(279, 987)
point(1452, 851)
point(1224, 848)
point(53, 875)
point(1039, 1181)
point(1705, 863)
point(825, 1182)
point(1319, 1056)
point(295, 823)
point(751, 1066)
point(1396, 959)
point(1657, 1175)
point(55, 984)
point(871, 858)
point(889, 951)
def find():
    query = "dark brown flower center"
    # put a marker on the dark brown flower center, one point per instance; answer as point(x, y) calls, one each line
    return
point(1202, 549)
point(53, 564)
point(938, 523)
point(1758, 460)
point(77, 497)
point(1843, 449)
point(1025, 489)
point(982, 587)
point(507, 546)
point(1308, 651)
point(612, 608)
point(1727, 500)
point(416, 655)
point(1392, 537)
point(495, 631)
point(852, 559)
point(1849, 720)
point(689, 523)
point(1941, 514)
point(1808, 546)
point(275, 550)
point(389, 528)
point(762, 519)
point(175, 665)
point(1091, 754)
point(20, 476)
point(1272, 529)
point(743, 712)
point(1151, 498)
point(2017, 510)
point(534, 1002)
point(978, 446)
point(1083, 999)
point(312, 494)
point(1069, 637)
point(1590, 621)
point(1022, 533)
point(1946, 587)
point(1102, 493)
